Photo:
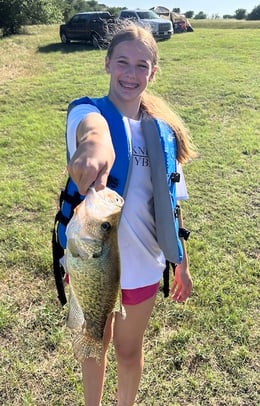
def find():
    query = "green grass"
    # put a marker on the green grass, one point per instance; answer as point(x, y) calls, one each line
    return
point(205, 352)
point(225, 24)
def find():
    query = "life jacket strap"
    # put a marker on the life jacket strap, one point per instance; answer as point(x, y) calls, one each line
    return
point(58, 270)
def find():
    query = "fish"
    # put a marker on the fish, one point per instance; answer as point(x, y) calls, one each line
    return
point(92, 262)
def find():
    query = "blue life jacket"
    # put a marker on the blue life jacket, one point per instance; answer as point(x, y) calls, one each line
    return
point(118, 177)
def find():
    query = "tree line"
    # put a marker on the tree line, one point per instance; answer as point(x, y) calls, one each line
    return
point(240, 14)
point(17, 13)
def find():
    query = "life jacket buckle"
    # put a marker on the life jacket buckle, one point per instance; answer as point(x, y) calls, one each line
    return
point(175, 177)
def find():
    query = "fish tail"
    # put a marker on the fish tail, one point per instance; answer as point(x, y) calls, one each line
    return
point(86, 347)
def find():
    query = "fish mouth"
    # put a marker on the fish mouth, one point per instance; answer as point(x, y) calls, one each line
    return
point(106, 200)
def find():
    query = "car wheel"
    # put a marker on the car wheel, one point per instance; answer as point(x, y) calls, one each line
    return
point(64, 38)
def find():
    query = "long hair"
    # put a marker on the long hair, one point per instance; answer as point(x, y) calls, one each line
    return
point(158, 108)
point(153, 105)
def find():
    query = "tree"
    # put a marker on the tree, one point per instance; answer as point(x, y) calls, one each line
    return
point(114, 11)
point(200, 16)
point(189, 14)
point(255, 14)
point(227, 16)
point(93, 5)
point(11, 19)
point(240, 14)
point(16, 13)
point(79, 6)
point(176, 10)
point(42, 11)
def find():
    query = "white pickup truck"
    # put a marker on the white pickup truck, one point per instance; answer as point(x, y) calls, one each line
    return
point(161, 28)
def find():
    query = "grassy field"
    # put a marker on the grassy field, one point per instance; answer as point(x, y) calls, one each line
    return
point(225, 24)
point(205, 352)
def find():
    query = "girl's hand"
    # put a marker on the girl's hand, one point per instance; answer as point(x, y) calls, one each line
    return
point(91, 164)
point(94, 157)
point(182, 283)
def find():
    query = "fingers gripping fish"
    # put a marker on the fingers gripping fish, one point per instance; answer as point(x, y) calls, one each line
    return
point(92, 261)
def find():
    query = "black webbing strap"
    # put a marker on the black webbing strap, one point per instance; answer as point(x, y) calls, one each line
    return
point(166, 278)
point(166, 282)
point(58, 270)
point(57, 249)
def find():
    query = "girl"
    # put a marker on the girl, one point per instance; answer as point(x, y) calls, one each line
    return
point(131, 62)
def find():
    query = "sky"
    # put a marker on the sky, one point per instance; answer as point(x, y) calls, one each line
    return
point(209, 7)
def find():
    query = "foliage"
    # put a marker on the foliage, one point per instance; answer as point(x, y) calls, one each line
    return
point(11, 18)
point(228, 16)
point(203, 353)
point(114, 11)
point(255, 14)
point(77, 6)
point(200, 16)
point(42, 11)
point(16, 13)
point(189, 14)
point(240, 14)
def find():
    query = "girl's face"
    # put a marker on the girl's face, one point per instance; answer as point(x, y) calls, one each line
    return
point(130, 67)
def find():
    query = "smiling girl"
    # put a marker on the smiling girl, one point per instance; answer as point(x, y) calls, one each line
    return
point(106, 146)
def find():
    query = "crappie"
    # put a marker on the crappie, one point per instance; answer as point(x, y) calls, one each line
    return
point(92, 261)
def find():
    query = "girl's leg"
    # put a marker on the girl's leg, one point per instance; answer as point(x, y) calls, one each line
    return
point(128, 341)
point(94, 374)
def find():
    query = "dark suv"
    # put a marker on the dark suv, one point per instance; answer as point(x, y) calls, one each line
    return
point(94, 27)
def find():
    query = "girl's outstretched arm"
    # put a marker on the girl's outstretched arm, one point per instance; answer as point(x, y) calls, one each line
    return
point(94, 157)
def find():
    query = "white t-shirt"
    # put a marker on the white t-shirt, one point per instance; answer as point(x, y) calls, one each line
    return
point(142, 261)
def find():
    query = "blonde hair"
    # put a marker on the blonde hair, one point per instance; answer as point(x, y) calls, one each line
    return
point(128, 31)
point(158, 108)
point(151, 104)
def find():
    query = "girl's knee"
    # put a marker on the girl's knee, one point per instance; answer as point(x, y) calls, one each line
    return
point(128, 353)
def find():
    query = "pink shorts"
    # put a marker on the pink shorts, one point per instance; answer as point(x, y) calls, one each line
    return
point(139, 295)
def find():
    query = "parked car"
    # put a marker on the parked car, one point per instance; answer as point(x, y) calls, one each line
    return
point(161, 28)
point(179, 21)
point(94, 27)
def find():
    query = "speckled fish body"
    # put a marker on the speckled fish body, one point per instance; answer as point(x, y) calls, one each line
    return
point(93, 264)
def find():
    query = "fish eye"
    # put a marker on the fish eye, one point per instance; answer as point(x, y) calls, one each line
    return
point(105, 226)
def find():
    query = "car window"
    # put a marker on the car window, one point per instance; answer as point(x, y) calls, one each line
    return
point(104, 15)
point(75, 20)
point(128, 15)
point(83, 18)
point(148, 15)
